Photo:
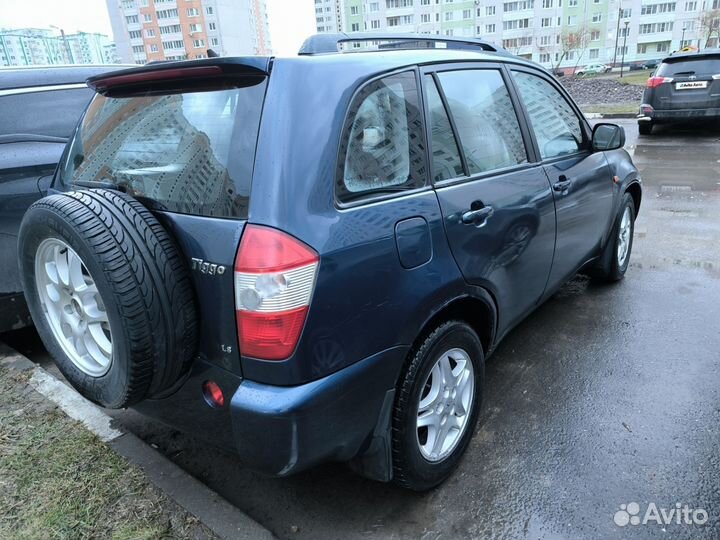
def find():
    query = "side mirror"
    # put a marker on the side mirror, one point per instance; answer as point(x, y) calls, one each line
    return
point(607, 137)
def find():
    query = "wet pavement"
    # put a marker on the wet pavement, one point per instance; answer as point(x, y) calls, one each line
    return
point(605, 396)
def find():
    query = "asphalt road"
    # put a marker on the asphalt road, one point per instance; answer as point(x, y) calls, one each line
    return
point(605, 396)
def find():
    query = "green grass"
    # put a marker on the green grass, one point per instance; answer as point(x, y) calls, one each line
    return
point(59, 481)
point(638, 78)
point(611, 108)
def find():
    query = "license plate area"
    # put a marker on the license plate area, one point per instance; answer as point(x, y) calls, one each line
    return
point(691, 85)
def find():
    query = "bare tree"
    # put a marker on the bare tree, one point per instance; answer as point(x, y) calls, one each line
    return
point(570, 42)
point(583, 38)
point(709, 23)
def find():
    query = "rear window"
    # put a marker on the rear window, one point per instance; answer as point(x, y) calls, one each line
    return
point(189, 153)
point(695, 66)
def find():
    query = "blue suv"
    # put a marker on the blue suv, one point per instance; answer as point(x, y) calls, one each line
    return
point(309, 259)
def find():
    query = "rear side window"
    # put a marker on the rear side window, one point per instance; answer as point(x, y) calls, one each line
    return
point(446, 160)
point(694, 66)
point(53, 113)
point(557, 128)
point(382, 148)
point(188, 152)
point(485, 119)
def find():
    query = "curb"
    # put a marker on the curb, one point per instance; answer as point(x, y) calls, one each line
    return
point(593, 116)
point(217, 514)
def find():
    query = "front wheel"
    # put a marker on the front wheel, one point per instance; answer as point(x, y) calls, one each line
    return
point(615, 259)
point(436, 406)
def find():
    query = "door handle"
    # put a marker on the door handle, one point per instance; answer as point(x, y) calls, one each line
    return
point(562, 184)
point(480, 215)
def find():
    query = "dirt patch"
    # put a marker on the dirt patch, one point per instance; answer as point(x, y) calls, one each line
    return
point(597, 90)
point(57, 480)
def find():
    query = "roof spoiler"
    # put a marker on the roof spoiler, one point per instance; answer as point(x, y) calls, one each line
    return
point(174, 74)
point(330, 43)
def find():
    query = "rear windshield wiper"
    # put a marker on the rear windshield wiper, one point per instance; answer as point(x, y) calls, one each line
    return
point(94, 184)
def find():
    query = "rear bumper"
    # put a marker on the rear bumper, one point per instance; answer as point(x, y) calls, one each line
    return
point(283, 430)
point(677, 115)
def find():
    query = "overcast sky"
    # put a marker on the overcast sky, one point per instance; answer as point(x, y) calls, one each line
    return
point(291, 21)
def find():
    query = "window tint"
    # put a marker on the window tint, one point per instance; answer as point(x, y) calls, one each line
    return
point(694, 66)
point(445, 153)
point(54, 113)
point(190, 152)
point(556, 126)
point(485, 119)
point(382, 147)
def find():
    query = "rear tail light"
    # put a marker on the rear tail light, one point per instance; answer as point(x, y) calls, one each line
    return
point(653, 82)
point(274, 282)
point(646, 109)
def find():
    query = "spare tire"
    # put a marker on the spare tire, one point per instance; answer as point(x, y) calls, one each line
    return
point(109, 293)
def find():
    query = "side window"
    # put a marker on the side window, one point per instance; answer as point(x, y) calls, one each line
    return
point(382, 147)
point(55, 112)
point(484, 118)
point(446, 160)
point(556, 126)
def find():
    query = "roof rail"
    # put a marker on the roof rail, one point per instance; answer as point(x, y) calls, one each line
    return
point(330, 43)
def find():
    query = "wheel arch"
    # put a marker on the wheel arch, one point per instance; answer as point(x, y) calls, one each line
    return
point(477, 308)
point(635, 192)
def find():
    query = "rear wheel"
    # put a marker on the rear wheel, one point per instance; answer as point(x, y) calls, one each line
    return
point(645, 128)
point(109, 294)
point(615, 259)
point(436, 407)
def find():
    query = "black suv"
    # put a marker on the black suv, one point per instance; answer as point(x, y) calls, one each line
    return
point(685, 86)
point(39, 109)
point(309, 259)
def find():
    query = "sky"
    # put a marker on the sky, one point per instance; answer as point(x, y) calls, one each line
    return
point(291, 21)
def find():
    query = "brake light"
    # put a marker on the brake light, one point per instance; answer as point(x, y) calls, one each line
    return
point(104, 82)
point(654, 82)
point(274, 282)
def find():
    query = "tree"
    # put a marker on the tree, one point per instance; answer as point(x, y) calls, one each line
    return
point(572, 41)
point(709, 23)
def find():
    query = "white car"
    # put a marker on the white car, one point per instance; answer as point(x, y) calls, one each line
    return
point(593, 69)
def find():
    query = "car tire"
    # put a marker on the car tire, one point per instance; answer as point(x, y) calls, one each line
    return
point(580, 73)
point(441, 388)
point(645, 128)
point(109, 293)
point(615, 259)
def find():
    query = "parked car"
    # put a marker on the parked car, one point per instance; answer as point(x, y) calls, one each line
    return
point(593, 69)
point(651, 64)
point(685, 86)
point(39, 108)
point(636, 66)
point(319, 274)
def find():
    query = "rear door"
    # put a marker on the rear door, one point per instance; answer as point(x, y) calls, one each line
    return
point(582, 182)
point(496, 201)
point(182, 141)
point(695, 83)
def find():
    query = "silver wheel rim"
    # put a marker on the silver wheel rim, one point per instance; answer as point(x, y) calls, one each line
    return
point(624, 237)
point(445, 404)
point(73, 308)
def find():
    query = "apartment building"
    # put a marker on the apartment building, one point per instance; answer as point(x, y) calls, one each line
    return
point(151, 30)
point(564, 33)
point(41, 46)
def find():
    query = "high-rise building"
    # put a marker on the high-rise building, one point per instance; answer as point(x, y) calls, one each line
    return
point(563, 33)
point(150, 30)
point(39, 46)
